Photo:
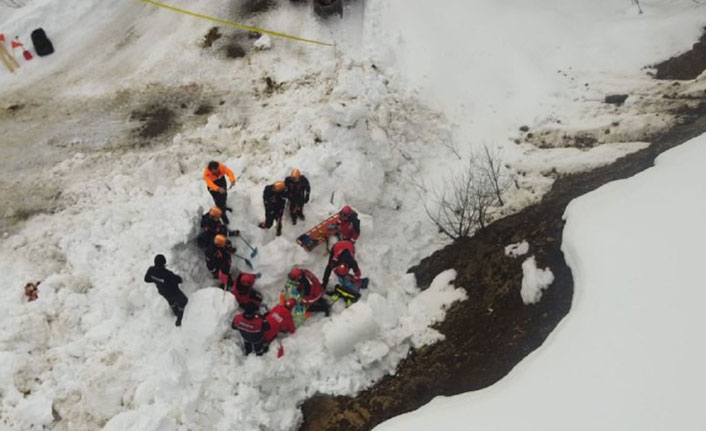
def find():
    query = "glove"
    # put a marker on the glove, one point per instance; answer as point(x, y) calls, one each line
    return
point(357, 273)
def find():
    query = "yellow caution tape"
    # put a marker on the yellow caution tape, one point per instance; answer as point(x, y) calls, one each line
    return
point(234, 24)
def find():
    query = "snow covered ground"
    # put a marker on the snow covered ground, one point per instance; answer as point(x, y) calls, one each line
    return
point(99, 349)
point(629, 355)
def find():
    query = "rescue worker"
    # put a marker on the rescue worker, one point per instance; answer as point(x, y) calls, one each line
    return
point(211, 226)
point(242, 288)
point(218, 255)
point(252, 328)
point(348, 286)
point(214, 175)
point(168, 286)
point(310, 288)
point(298, 191)
point(280, 320)
point(341, 252)
point(348, 224)
point(274, 199)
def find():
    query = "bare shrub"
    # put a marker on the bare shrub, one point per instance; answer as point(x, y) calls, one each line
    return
point(468, 199)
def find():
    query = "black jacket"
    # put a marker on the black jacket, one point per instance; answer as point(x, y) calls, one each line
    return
point(211, 226)
point(167, 282)
point(274, 202)
point(297, 191)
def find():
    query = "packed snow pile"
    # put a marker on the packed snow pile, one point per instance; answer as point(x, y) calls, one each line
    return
point(534, 281)
point(517, 249)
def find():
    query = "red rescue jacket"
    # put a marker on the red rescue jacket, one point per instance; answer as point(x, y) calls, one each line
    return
point(253, 329)
point(280, 320)
point(310, 287)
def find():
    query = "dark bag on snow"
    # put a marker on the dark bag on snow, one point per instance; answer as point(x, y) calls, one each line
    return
point(42, 44)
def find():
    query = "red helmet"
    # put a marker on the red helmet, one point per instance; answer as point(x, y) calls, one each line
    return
point(247, 279)
point(296, 274)
point(346, 211)
point(341, 269)
point(290, 303)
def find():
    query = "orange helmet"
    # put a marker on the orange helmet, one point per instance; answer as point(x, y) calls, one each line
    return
point(341, 269)
point(220, 240)
point(296, 274)
point(278, 186)
point(290, 303)
point(247, 279)
point(296, 174)
point(215, 212)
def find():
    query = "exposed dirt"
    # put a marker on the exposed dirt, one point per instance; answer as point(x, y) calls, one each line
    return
point(156, 120)
point(487, 335)
point(688, 65)
point(212, 36)
point(234, 50)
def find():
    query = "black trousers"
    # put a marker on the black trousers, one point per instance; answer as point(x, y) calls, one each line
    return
point(320, 305)
point(259, 347)
point(177, 302)
point(220, 198)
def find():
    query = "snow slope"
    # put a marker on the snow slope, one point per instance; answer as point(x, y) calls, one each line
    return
point(629, 355)
point(99, 350)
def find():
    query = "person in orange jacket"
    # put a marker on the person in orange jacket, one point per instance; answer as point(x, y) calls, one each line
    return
point(280, 320)
point(214, 175)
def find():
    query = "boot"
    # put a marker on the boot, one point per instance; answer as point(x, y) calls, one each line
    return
point(294, 219)
point(262, 225)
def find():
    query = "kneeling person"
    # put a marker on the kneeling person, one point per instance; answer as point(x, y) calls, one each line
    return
point(280, 320)
point(252, 328)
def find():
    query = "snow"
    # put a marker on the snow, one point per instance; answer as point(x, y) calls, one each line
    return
point(517, 249)
point(100, 346)
point(628, 354)
point(534, 281)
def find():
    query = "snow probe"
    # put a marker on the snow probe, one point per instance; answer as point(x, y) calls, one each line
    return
point(280, 349)
point(254, 249)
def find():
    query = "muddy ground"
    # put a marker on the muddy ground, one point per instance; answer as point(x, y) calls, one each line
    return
point(487, 335)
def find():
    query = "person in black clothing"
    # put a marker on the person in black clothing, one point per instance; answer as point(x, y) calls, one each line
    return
point(218, 255)
point(298, 191)
point(211, 226)
point(252, 327)
point(274, 199)
point(168, 286)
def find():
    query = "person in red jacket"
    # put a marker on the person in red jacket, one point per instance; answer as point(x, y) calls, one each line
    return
point(252, 327)
point(242, 288)
point(310, 288)
point(214, 175)
point(280, 320)
point(341, 252)
point(348, 225)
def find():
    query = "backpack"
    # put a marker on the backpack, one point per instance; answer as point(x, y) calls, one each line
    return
point(42, 44)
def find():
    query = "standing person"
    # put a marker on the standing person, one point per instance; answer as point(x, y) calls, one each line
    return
point(348, 225)
point(280, 320)
point(298, 191)
point(252, 328)
point(168, 286)
point(341, 252)
point(214, 175)
point(311, 290)
point(218, 256)
point(274, 199)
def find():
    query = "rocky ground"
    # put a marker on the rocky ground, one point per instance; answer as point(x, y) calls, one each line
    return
point(487, 335)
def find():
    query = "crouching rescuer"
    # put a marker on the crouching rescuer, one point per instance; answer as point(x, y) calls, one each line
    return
point(168, 286)
point(252, 327)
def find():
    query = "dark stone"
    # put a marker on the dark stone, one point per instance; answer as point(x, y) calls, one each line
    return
point(616, 99)
point(524, 129)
